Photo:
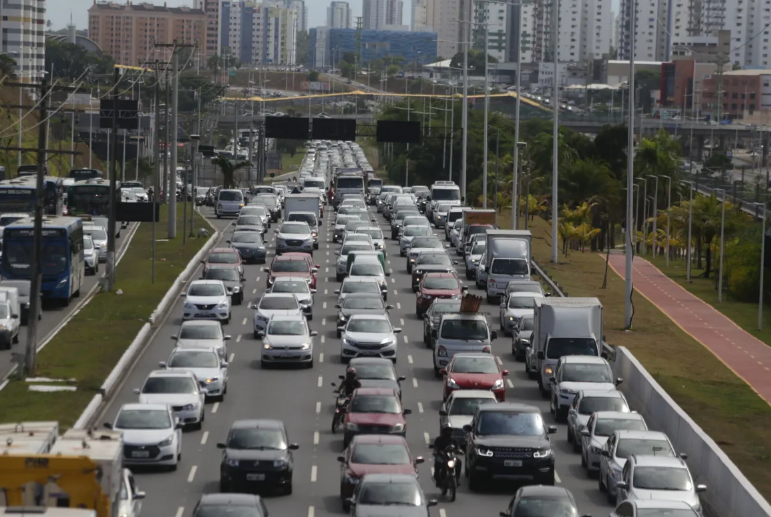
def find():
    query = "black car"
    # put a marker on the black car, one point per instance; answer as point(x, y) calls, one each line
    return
point(231, 278)
point(542, 500)
point(219, 505)
point(257, 454)
point(508, 439)
point(250, 246)
point(377, 372)
point(431, 262)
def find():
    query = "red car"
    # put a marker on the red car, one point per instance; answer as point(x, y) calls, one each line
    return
point(437, 285)
point(292, 264)
point(222, 257)
point(374, 411)
point(470, 371)
point(374, 454)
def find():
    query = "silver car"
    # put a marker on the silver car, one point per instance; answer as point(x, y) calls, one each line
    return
point(376, 236)
point(274, 304)
point(370, 267)
point(90, 255)
point(341, 264)
point(203, 334)
point(357, 285)
point(588, 402)
point(360, 303)
point(99, 237)
point(300, 288)
point(600, 426)
point(180, 390)
point(339, 227)
point(655, 477)
point(249, 223)
point(367, 335)
point(206, 299)
point(287, 339)
point(207, 366)
point(151, 435)
point(410, 232)
point(515, 308)
point(259, 210)
point(452, 230)
point(473, 258)
point(294, 237)
point(458, 410)
point(419, 244)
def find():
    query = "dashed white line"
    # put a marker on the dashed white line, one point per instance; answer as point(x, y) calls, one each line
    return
point(324, 306)
point(313, 474)
point(442, 513)
point(396, 292)
point(254, 291)
point(311, 512)
point(321, 380)
point(406, 340)
point(401, 321)
point(191, 476)
point(215, 407)
point(321, 357)
point(420, 407)
point(326, 269)
point(315, 437)
point(323, 321)
point(204, 437)
point(323, 338)
point(318, 407)
point(257, 279)
point(409, 359)
point(398, 305)
point(393, 280)
point(557, 477)
point(414, 382)
point(427, 438)
point(326, 291)
point(244, 322)
point(327, 253)
point(510, 384)
point(238, 338)
point(180, 511)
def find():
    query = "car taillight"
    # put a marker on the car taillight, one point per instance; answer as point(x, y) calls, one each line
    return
point(486, 350)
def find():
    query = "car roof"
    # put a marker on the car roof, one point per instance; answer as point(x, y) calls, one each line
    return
point(543, 490)
point(472, 394)
point(663, 504)
point(529, 294)
point(263, 423)
point(439, 275)
point(607, 394)
point(659, 461)
point(278, 295)
point(133, 406)
point(353, 296)
point(292, 256)
point(641, 435)
point(375, 391)
point(464, 316)
point(372, 360)
point(171, 373)
point(510, 406)
point(475, 354)
point(290, 279)
point(390, 478)
point(284, 317)
point(197, 349)
point(222, 250)
point(361, 279)
point(583, 359)
point(201, 323)
point(369, 317)
point(224, 266)
point(379, 438)
point(230, 499)
point(206, 282)
point(369, 228)
point(618, 415)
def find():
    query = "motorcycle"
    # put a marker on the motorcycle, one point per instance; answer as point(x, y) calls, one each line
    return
point(341, 407)
point(446, 479)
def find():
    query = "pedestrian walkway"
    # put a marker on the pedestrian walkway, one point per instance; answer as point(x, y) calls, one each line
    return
point(745, 355)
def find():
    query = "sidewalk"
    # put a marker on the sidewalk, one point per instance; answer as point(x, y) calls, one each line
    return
point(746, 356)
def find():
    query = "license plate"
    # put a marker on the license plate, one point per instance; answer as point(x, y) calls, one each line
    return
point(255, 477)
point(512, 463)
point(205, 314)
point(140, 454)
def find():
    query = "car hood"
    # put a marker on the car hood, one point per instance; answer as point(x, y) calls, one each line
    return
point(293, 236)
point(279, 341)
point(268, 313)
point(578, 386)
point(441, 292)
point(375, 418)
point(144, 436)
point(200, 373)
point(406, 239)
point(369, 337)
point(359, 469)
point(389, 511)
point(255, 454)
point(474, 257)
point(518, 313)
point(686, 496)
point(205, 300)
point(458, 421)
point(350, 312)
point(417, 251)
point(276, 274)
point(380, 383)
point(200, 343)
point(247, 245)
point(581, 420)
point(171, 399)
point(535, 442)
point(474, 380)
point(430, 268)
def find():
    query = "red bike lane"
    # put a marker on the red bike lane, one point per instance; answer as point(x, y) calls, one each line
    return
point(745, 355)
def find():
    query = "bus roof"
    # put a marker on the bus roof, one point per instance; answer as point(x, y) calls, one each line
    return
point(48, 222)
point(95, 181)
point(28, 181)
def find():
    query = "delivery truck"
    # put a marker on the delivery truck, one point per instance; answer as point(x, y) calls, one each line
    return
point(301, 203)
point(479, 217)
point(507, 257)
point(561, 327)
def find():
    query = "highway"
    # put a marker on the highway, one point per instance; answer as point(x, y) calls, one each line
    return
point(55, 313)
point(303, 399)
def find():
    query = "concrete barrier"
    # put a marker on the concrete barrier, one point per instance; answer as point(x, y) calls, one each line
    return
point(88, 414)
point(729, 493)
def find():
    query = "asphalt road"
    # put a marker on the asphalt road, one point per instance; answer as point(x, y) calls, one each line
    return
point(303, 399)
point(54, 313)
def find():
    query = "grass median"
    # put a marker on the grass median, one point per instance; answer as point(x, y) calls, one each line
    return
point(717, 400)
point(87, 349)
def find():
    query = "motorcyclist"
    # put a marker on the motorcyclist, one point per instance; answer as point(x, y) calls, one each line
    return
point(350, 383)
point(441, 444)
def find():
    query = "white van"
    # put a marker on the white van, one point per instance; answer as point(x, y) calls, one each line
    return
point(11, 295)
point(229, 202)
point(9, 323)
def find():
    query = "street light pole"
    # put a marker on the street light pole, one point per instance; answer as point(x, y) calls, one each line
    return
point(762, 266)
point(555, 134)
point(654, 213)
point(487, 109)
point(464, 117)
point(515, 183)
point(644, 220)
point(690, 218)
point(628, 270)
point(722, 247)
point(669, 209)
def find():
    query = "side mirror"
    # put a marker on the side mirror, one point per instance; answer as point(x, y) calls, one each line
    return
point(605, 453)
point(389, 307)
point(316, 266)
point(174, 338)
point(338, 306)
point(266, 269)
point(683, 455)
point(433, 502)
point(619, 380)
point(140, 495)
point(228, 338)
point(250, 305)
point(553, 379)
point(585, 432)
point(222, 446)
point(107, 425)
point(419, 460)
point(293, 447)
point(350, 501)
point(136, 391)
point(401, 378)
point(260, 334)
point(341, 329)
point(464, 288)
point(552, 429)
point(337, 291)
point(315, 270)
point(493, 335)
point(314, 333)
point(14, 316)
point(540, 355)
point(701, 488)
point(467, 428)
point(163, 365)
point(341, 376)
point(313, 291)
point(203, 261)
point(442, 412)
point(224, 364)
point(179, 425)
point(182, 295)
point(505, 373)
point(397, 330)
point(621, 484)
point(406, 411)
point(341, 459)
point(228, 242)
point(443, 371)
point(387, 273)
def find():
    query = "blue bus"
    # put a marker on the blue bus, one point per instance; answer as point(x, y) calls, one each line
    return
point(18, 194)
point(63, 260)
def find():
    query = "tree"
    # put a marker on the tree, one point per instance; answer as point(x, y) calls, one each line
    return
point(301, 48)
point(7, 65)
point(476, 61)
point(392, 70)
point(73, 61)
point(229, 169)
point(313, 76)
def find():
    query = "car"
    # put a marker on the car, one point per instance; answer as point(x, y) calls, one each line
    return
point(508, 439)
point(473, 258)
point(465, 236)
point(374, 454)
point(295, 265)
point(360, 303)
point(229, 202)
point(658, 477)
point(574, 373)
point(474, 371)
point(435, 261)
point(250, 246)
point(24, 287)
point(390, 495)
point(458, 410)
point(90, 255)
point(358, 285)
point(287, 339)
point(514, 308)
point(419, 244)
point(459, 333)
point(257, 454)
point(99, 238)
point(295, 237)
point(249, 223)
point(341, 264)
point(433, 315)
point(206, 299)
point(408, 233)
point(599, 427)
point(524, 286)
point(621, 444)
point(437, 285)
point(661, 507)
point(374, 411)
point(223, 256)
point(258, 210)
point(452, 232)
point(586, 403)
point(353, 236)
point(368, 335)
point(542, 500)
point(300, 288)
point(203, 334)
point(375, 234)
point(270, 201)
point(339, 227)
point(180, 390)
point(9, 325)
point(376, 372)
point(231, 278)
point(273, 304)
point(370, 267)
point(207, 366)
point(151, 435)
point(131, 497)
point(521, 337)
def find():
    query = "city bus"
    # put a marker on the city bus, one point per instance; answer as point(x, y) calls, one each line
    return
point(62, 259)
point(18, 194)
point(91, 197)
point(85, 174)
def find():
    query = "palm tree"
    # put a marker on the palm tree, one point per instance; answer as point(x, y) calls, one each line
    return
point(229, 169)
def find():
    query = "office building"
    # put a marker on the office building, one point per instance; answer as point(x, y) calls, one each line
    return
point(301, 12)
point(441, 17)
point(259, 33)
point(495, 17)
point(339, 15)
point(738, 94)
point(128, 32)
point(416, 48)
point(377, 14)
point(23, 24)
point(211, 46)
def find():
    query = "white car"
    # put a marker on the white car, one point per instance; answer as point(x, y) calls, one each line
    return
point(648, 478)
point(203, 334)
point(180, 390)
point(9, 326)
point(588, 402)
point(600, 426)
point(341, 264)
point(152, 435)
point(473, 259)
point(370, 267)
point(130, 497)
point(659, 507)
point(90, 255)
point(288, 340)
point(301, 290)
point(99, 236)
point(574, 373)
point(517, 306)
point(368, 335)
point(207, 366)
point(458, 410)
point(140, 193)
point(273, 304)
point(207, 300)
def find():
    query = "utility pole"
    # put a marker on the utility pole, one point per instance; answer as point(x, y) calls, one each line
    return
point(113, 179)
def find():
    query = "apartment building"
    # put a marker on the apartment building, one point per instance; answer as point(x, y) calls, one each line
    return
point(259, 33)
point(212, 45)
point(23, 24)
point(440, 16)
point(495, 17)
point(339, 15)
point(377, 14)
point(128, 32)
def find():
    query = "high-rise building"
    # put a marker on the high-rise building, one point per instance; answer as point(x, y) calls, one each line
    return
point(339, 15)
point(651, 30)
point(211, 45)
point(325, 45)
point(440, 16)
point(260, 33)
point(493, 17)
point(377, 14)
point(300, 9)
point(23, 23)
point(128, 32)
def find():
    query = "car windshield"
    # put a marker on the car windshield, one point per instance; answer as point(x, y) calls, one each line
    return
point(226, 274)
point(510, 423)
point(366, 270)
point(96, 234)
point(286, 328)
point(200, 332)
point(3, 311)
point(143, 419)
point(278, 303)
point(441, 259)
point(310, 219)
point(562, 346)
point(606, 426)
point(572, 372)
point(526, 324)
point(474, 365)
point(521, 302)
point(249, 220)
point(375, 404)
point(227, 510)
point(375, 372)
point(420, 242)
point(375, 326)
point(157, 385)
point(375, 234)
point(344, 219)
point(256, 438)
point(294, 228)
point(354, 246)
point(467, 406)
point(440, 194)
point(206, 290)
point(643, 447)
point(412, 231)
point(509, 267)
point(231, 195)
point(661, 478)
point(246, 237)
point(381, 454)
point(368, 302)
point(589, 405)
point(478, 248)
point(665, 512)
point(360, 287)
point(223, 257)
point(472, 230)
point(443, 308)
point(524, 288)
point(194, 359)
point(290, 286)
point(538, 506)
point(390, 494)
point(466, 330)
point(440, 283)
point(290, 266)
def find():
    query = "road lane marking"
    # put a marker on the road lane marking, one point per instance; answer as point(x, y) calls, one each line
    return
point(324, 306)
point(243, 322)
point(318, 407)
point(557, 477)
point(327, 251)
point(427, 438)
point(215, 407)
point(326, 270)
point(409, 359)
point(232, 355)
point(326, 291)
point(401, 321)
point(420, 407)
point(238, 338)
point(511, 384)
point(204, 437)
point(321, 380)
point(393, 280)
point(442, 513)
point(396, 293)
point(254, 291)
point(313, 474)
point(323, 321)
point(398, 305)
point(321, 357)
point(311, 512)
point(257, 279)
point(180, 511)
point(315, 437)
point(323, 338)
point(406, 340)
point(414, 382)
point(191, 476)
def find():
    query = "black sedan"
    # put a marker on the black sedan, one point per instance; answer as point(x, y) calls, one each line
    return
point(542, 500)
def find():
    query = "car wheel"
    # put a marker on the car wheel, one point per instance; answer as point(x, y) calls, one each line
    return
point(339, 334)
point(474, 483)
point(570, 436)
point(309, 365)
point(264, 365)
point(255, 335)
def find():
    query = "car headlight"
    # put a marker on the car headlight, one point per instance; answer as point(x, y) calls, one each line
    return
point(525, 341)
point(498, 384)
point(280, 464)
point(167, 441)
point(441, 352)
point(212, 379)
point(305, 346)
point(397, 428)
point(451, 383)
point(62, 282)
point(564, 391)
point(189, 407)
point(350, 426)
point(484, 451)
point(189, 306)
point(231, 463)
point(548, 370)
point(474, 260)
point(222, 305)
point(236, 289)
point(511, 318)
point(543, 453)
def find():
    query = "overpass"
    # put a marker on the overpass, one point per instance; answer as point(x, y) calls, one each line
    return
point(228, 122)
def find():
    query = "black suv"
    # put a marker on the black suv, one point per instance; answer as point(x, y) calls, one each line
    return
point(508, 440)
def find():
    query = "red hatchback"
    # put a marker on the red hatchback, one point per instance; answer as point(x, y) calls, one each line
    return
point(374, 411)
point(223, 257)
point(374, 454)
point(292, 264)
point(437, 285)
point(474, 372)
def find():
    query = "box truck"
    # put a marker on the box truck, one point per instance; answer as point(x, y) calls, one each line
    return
point(507, 257)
